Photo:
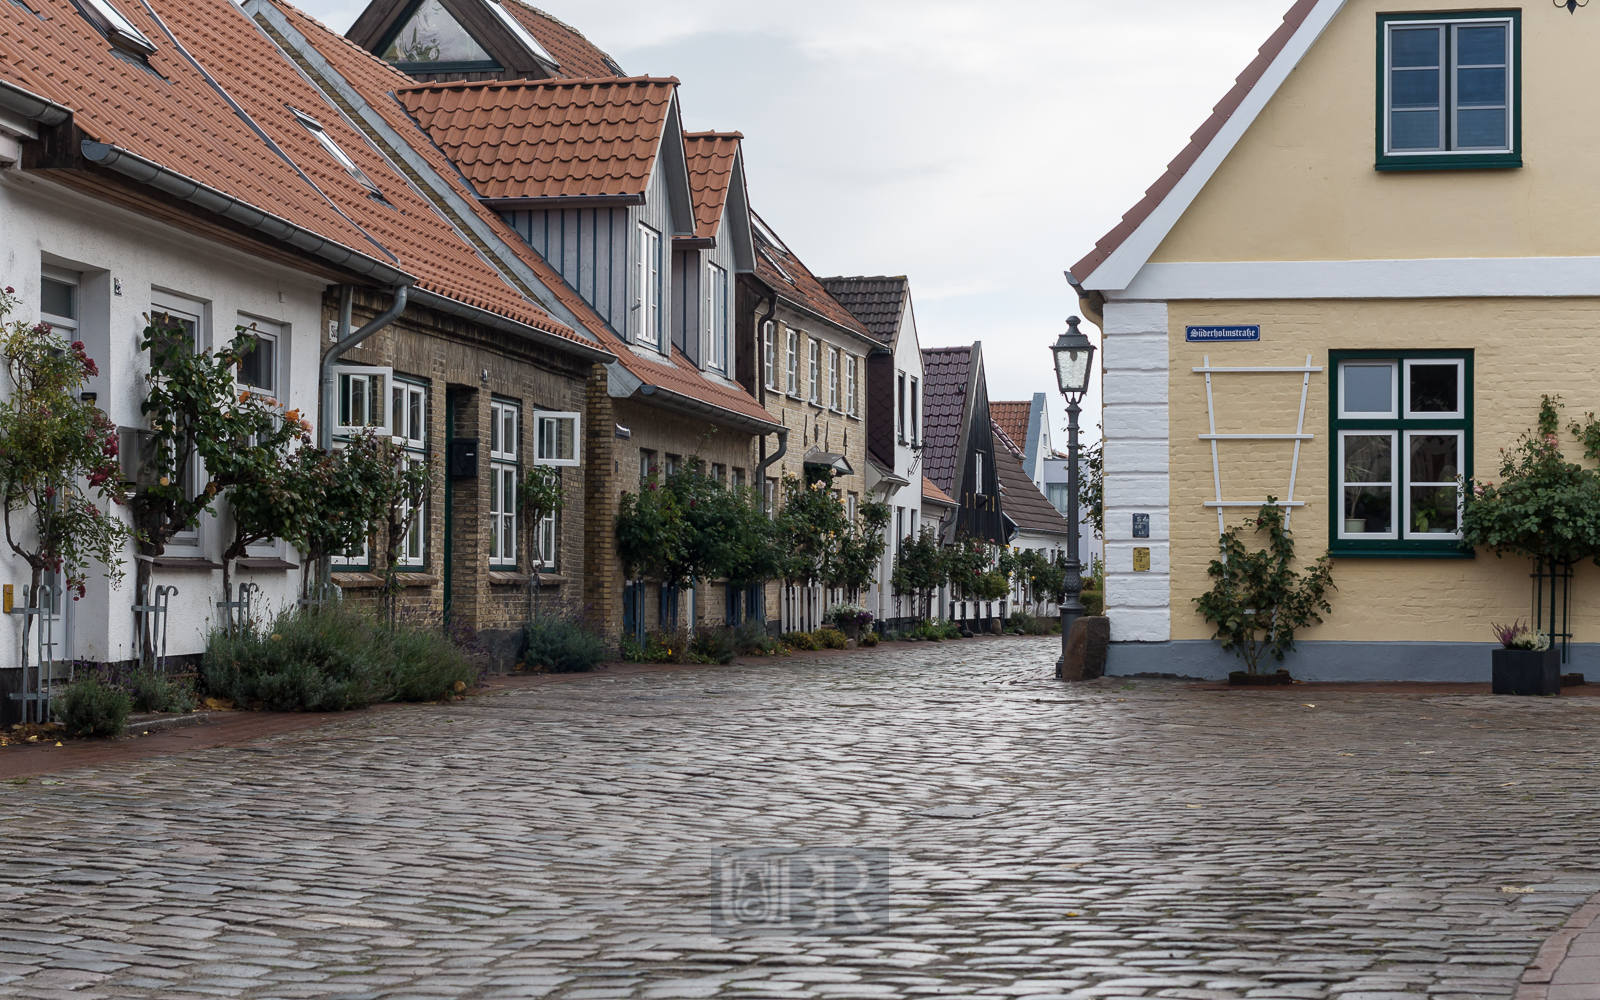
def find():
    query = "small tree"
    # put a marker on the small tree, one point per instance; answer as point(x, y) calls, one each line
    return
point(208, 437)
point(860, 548)
point(1259, 601)
point(272, 502)
point(755, 557)
point(402, 488)
point(58, 455)
point(340, 492)
point(539, 495)
point(920, 568)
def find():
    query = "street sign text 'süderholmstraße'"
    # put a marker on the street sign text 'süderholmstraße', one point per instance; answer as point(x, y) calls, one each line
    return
point(1221, 334)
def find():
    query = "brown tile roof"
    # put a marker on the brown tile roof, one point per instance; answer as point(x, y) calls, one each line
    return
point(577, 56)
point(710, 157)
point(548, 138)
point(932, 492)
point(1012, 418)
point(877, 302)
point(1021, 501)
point(1198, 142)
point(783, 272)
point(375, 80)
point(181, 121)
point(945, 374)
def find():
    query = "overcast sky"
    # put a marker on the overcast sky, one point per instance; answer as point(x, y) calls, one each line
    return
point(978, 146)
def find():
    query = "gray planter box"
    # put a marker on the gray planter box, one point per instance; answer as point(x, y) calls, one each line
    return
point(1527, 671)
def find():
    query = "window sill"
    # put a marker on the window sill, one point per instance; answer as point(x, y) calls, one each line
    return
point(1373, 552)
point(363, 580)
point(264, 563)
point(185, 562)
point(512, 578)
point(1491, 161)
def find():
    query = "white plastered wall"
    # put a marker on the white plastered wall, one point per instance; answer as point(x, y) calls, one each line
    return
point(1136, 469)
point(109, 246)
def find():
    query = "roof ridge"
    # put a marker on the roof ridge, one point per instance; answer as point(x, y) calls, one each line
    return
point(552, 83)
point(866, 277)
point(713, 134)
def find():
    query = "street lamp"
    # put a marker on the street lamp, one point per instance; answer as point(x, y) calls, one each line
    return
point(1074, 360)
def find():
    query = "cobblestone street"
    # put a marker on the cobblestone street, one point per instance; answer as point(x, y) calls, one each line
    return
point(618, 836)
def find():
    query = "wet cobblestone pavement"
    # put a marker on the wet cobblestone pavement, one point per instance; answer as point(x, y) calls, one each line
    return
point(689, 833)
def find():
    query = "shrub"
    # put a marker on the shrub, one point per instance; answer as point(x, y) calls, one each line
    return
point(1028, 624)
point(716, 645)
point(153, 692)
point(563, 645)
point(936, 630)
point(752, 640)
point(800, 640)
point(1094, 602)
point(88, 707)
point(331, 660)
point(869, 638)
point(831, 638)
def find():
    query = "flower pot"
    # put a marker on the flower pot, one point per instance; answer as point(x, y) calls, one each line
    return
point(1355, 525)
point(852, 630)
point(1243, 678)
point(1527, 671)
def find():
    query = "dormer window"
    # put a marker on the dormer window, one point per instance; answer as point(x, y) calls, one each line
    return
point(647, 286)
point(315, 128)
point(431, 40)
point(117, 28)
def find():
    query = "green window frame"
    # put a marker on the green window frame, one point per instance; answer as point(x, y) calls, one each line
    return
point(1455, 86)
point(1393, 474)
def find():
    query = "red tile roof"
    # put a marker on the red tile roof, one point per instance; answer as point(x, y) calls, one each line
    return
point(1012, 418)
point(1198, 142)
point(376, 80)
point(181, 121)
point(710, 158)
point(577, 56)
point(932, 492)
point(783, 272)
point(548, 138)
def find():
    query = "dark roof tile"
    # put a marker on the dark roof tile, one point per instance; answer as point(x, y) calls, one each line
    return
point(876, 301)
point(945, 374)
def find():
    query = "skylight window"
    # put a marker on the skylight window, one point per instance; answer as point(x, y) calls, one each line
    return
point(315, 128)
point(116, 27)
point(515, 27)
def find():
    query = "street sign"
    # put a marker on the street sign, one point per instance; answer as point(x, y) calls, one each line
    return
point(1220, 334)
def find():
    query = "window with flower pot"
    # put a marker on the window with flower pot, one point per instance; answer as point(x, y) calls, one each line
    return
point(1401, 446)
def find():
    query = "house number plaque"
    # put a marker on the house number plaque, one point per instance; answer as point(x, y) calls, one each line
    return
point(1141, 525)
point(1141, 560)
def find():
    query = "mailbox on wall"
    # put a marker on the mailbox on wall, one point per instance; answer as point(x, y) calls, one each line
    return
point(464, 458)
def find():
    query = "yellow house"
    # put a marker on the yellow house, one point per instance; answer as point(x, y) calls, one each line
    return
point(1351, 288)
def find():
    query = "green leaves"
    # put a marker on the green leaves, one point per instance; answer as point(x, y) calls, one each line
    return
point(920, 564)
point(1259, 601)
point(58, 454)
point(1544, 506)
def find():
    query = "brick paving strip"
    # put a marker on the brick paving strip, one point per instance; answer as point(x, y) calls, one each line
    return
point(1568, 966)
point(572, 838)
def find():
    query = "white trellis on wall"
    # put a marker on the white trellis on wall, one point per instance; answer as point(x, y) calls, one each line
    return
point(1299, 437)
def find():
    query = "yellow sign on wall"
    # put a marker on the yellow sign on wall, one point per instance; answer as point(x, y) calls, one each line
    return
point(1141, 560)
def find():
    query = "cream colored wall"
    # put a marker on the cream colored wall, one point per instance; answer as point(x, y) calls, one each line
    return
point(1300, 185)
point(1523, 348)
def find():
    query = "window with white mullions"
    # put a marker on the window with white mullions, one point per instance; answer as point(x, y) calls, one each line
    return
point(408, 429)
point(850, 384)
point(793, 380)
point(556, 437)
point(717, 317)
point(647, 287)
point(504, 476)
point(58, 299)
point(768, 358)
point(1449, 85)
point(833, 378)
point(814, 372)
point(1403, 448)
point(258, 365)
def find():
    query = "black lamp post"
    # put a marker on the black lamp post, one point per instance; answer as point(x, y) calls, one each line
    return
point(1074, 360)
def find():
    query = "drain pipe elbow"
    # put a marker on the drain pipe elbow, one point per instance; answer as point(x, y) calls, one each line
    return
point(771, 460)
point(345, 343)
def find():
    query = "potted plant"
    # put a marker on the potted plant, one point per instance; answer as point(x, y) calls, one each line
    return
point(849, 619)
point(1525, 663)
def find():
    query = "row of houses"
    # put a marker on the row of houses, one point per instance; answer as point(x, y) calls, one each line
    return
point(464, 226)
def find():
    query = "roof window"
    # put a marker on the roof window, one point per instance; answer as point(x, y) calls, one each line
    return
point(116, 27)
point(315, 128)
point(515, 27)
point(433, 38)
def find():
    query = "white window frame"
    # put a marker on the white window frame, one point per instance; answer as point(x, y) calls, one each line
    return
point(813, 370)
point(265, 331)
point(900, 406)
point(793, 387)
point(769, 360)
point(977, 473)
point(367, 373)
point(403, 395)
point(1449, 85)
point(1396, 484)
point(180, 307)
point(505, 433)
point(1405, 440)
point(647, 278)
point(122, 32)
point(915, 401)
point(717, 316)
point(1394, 390)
point(1458, 413)
point(833, 379)
point(313, 126)
point(72, 279)
point(544, 542)
point(539, 418)
point(851, 384)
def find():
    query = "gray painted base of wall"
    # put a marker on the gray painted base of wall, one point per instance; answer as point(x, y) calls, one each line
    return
point(1460, 662)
